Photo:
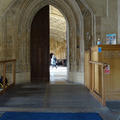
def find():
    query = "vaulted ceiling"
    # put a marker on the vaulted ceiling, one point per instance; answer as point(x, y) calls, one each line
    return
point(57, 25)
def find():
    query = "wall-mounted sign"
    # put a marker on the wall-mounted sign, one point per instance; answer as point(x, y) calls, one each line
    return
point(107, 69)
point(111, 39)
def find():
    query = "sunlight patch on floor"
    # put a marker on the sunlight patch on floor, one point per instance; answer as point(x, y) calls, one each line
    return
point(58, 75)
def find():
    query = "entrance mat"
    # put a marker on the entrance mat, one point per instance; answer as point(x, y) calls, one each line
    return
point(49, 116)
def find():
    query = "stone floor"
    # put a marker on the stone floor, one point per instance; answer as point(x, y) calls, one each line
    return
point(58, 96)
point(53, 98)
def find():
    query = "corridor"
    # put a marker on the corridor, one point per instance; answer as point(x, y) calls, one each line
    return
point(52, 98)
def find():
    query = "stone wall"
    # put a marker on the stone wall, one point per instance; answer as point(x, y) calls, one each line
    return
point(106, 17)
point(58, 48)
point(15, 26)
point(118, 21)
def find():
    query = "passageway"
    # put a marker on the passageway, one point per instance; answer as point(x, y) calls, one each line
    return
point(51, 98)
point(28, 35)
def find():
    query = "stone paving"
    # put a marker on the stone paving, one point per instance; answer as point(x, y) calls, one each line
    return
point(53, 98)
point(58, 96)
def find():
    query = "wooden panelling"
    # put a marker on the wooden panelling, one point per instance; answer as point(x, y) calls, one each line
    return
point(104, 86)
point(40, 46)
point(88, 83)
point(109, 54)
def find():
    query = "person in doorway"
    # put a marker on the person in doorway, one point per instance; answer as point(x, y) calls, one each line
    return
point(51, 54)
point(53, 61)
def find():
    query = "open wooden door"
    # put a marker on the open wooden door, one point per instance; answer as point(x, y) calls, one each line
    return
point(40, 47)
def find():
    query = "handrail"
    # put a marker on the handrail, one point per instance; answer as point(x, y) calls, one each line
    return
point(102, 98)
point(7, 61)
point(99, 63)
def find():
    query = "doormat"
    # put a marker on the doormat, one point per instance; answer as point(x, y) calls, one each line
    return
point(49, 116)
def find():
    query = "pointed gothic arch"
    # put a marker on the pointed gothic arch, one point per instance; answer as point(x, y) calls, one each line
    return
point(24, 12)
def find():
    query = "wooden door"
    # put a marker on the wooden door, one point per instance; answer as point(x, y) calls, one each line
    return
point(40, 46)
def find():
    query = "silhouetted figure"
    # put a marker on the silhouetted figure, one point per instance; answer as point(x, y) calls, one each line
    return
point(51, 54)
point(53, 61)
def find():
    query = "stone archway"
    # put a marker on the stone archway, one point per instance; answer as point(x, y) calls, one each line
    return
point(24, 12)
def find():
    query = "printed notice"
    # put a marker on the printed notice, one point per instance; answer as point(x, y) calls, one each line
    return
point(107, 69)
point(111, 39)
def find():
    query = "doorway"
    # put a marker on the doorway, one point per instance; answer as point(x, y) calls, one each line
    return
point(58, 47)
point(48, 37)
